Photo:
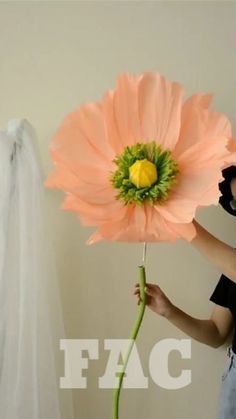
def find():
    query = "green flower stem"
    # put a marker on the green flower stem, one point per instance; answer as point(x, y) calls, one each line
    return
point(133, 335)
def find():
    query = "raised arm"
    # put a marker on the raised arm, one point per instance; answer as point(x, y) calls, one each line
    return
point(220, 254)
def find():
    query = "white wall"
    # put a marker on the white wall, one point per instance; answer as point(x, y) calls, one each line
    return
point(57, 55)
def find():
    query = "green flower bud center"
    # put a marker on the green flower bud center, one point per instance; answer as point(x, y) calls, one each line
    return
point(145, 173)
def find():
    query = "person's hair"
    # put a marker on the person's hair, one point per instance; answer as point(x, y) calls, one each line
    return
point(227, 200)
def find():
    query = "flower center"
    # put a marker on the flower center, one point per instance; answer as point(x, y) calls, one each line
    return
point(143, 173)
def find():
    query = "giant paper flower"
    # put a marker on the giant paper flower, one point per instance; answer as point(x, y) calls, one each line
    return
point(138, 163)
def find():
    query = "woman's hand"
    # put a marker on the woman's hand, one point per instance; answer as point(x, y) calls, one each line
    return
point(156, 300)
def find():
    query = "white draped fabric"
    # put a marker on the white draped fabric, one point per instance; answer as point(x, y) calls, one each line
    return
point(30, 312)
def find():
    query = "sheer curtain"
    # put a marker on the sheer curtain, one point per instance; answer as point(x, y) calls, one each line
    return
point(30, 312)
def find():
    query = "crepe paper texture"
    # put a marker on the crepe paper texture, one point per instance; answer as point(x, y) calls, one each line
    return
point(138, 164)
point(181, 147)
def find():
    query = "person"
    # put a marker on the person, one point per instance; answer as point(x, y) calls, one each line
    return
point(215, 330)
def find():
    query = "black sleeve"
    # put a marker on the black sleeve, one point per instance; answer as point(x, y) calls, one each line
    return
point(221, 292)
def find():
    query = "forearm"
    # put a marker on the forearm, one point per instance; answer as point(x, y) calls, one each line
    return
point(204, 331)
point(220, 254)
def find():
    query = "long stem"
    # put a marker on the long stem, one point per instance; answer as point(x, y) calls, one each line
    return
point(133, 335)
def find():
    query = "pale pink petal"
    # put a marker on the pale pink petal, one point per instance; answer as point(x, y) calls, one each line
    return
point(160, 103)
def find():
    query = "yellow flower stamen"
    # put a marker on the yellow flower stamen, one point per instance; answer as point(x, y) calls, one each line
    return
point(143, 173)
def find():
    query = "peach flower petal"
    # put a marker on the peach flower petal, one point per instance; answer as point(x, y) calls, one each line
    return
point(183, 231)
point(160, 103)
point(191, 122)
point(92, 125)
point(126, 111)
point(94, 214)
point(116, 141)
point(177, 209)
point(202, 192)
point(71, 147)
point(214, 152)
point(61, 178)
point(198, 123)
point(198, 181)
point(141, 109)
point(155, 228)
point(232, 145)
point(92, 185)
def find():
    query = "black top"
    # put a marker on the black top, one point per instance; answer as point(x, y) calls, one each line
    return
point(225, 295)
